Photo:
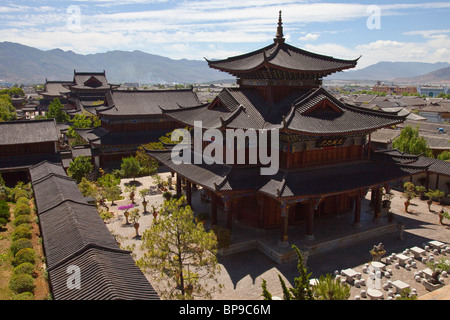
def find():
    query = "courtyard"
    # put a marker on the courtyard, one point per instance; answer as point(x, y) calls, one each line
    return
point(337, 245)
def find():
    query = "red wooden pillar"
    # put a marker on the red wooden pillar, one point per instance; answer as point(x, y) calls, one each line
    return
point(213, 209)
point(284, 225)
point(377, 204)
point(178, 185)
point(188, 192)
point(357, 220)
point(227, 210)
point(310, 221)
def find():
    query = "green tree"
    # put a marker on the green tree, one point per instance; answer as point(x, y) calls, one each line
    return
point(7, 111)
point(88, 188)
point(302, 289)
point(130, 167)
point(182, 251)
point(410, 142)
point(80, 167)
point(445, 156)
point(330, 288)
point(148, 165)
point(56, 111)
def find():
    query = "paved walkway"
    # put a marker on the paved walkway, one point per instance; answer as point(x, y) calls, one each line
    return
point(242, 272)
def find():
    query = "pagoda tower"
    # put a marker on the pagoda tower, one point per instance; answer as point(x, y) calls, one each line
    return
point(280, 69)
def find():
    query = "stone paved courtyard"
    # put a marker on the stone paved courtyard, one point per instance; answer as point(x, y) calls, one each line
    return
point(242, 273)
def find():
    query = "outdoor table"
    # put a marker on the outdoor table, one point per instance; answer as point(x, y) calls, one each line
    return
point(400, 285)
point(402, 259)
point(378, 265)
point(436, 244)
point(374, 294)
point(417, 252)
point(428, 273)
point(350, 274)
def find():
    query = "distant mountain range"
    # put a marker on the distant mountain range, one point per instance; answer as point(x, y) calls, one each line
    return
point(438, 76)
point(23, 64)
point(390, 71)
point(27, 65)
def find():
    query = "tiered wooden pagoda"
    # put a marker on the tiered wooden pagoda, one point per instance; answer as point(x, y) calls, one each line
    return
point(326, 166)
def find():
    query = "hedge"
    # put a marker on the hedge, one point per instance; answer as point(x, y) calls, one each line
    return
point(24, 255)
point(21, 209)
point(25, 218)
point(21, 232)
point(23, 200)
point(20, 244)
point(18, 193)
point(23, 296)
point(24, 268)
point(21, 283)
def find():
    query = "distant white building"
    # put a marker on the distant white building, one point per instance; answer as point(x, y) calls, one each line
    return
point(432, 91)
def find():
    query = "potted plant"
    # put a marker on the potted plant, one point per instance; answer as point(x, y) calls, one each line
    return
point(377, 252)
point(167, 195)
point(134, 216)
point(439, 195)
point(202, 217)
point(143, 193)
point(443, 214)
point(126, 213)
point(433, 282)
point(409, 193)
point(154, 212)
point(421, 190)
point(132, 190)
point(430, 195)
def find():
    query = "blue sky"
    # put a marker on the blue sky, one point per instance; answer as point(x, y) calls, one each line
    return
point(398, 30)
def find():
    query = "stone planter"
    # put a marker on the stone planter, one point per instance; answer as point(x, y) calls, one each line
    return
point(429, 286)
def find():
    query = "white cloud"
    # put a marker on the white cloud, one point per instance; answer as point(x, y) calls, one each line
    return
point(309, 37)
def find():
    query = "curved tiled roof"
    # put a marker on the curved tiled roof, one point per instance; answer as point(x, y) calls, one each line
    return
point(148, 102)
point(282, 56)
point(74, 235)
point(300, 112)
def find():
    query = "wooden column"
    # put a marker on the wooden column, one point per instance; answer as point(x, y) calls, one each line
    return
point(178, 187)
point(260, 201)
point(357, 220)
point(310, 221)
point(284, 224)
point(227, 211)
point(377, 203)
point(189, 193)
point(213, 209)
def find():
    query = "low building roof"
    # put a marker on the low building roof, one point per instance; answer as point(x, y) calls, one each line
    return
point(28, 131)
point(148, 102)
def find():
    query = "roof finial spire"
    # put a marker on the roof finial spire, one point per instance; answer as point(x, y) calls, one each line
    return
point(279, 37)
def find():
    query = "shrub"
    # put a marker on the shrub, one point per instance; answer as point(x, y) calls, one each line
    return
point(24, 268)
point(26, 218)
point(4, 210)
point(223, 236)
point(21, 283)
point(20, 244)
point(24, 255)
point(23, 296)
point(18, 193)
point(21, 209)
point(21, 232)
point(23, 200)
